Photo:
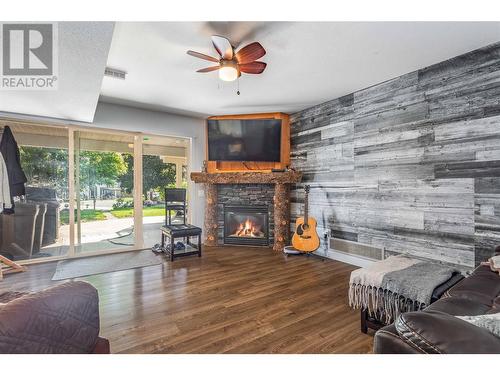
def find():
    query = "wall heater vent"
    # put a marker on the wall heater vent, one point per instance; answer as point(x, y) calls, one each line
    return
point(114, 73)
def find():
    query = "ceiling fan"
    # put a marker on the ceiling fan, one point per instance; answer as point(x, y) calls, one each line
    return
point(231, 64)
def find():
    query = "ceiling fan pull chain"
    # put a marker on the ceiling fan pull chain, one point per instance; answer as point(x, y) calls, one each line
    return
point(238, 83)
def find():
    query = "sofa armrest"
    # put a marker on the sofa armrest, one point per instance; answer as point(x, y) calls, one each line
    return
point(388, 341)
point(62, 319)
point(435, 332)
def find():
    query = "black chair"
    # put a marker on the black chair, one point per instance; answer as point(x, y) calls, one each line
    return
point(175, 200)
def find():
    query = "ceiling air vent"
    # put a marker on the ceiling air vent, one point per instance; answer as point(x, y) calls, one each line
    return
point(114, 73)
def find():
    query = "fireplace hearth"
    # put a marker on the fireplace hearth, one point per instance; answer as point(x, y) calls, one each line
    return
point(246, 225)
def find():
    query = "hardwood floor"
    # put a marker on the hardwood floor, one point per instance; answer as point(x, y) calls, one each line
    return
point(232, 300)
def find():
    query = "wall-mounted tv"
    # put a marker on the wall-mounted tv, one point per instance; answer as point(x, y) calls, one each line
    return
point(244, 140)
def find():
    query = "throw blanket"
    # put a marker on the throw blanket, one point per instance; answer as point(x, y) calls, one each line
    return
point(395, 285)
point(494, 263)
point(491, 322)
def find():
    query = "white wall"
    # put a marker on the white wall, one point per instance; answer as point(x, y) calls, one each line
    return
point(118, 117)
point(113, 116)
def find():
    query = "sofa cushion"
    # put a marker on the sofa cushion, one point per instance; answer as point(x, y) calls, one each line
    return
point(459, 306)
point(483, 286)
point(61, 319)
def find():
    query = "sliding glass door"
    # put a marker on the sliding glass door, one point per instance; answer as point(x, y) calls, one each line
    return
point(90, 191)
point(163, 166)
point(38, 227)
point(104, 191)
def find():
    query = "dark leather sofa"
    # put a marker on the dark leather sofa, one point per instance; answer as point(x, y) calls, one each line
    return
point(436, 330)
point(63, 319)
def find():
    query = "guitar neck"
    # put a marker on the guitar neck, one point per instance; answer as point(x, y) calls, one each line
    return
point(306, 208)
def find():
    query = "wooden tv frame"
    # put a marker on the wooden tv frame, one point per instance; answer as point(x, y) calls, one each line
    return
point(253, 166)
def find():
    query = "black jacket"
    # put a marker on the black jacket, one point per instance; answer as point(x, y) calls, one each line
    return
point(10, 153)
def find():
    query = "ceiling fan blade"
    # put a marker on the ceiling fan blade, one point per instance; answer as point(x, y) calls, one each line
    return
point(209, 69)
point(202, 56)
point(255, 67)
point(249, 53)
point(223, 47)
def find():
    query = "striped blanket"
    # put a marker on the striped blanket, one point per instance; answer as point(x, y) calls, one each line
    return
point(395, 285)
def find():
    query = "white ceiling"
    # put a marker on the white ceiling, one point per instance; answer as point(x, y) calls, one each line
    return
point(83, 51)
point(308, 63)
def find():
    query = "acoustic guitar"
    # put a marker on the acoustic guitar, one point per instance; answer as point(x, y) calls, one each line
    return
point(305, 238)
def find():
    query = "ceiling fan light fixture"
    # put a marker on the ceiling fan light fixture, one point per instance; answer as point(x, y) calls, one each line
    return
point(228, 71)
point(230, 63)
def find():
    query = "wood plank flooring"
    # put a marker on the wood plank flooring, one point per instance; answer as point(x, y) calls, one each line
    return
point(232, 300)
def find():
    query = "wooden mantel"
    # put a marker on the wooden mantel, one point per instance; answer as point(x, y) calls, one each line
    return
point(281, 181)
point(288, 177)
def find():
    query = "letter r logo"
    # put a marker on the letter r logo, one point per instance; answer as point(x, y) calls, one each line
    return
point(27, 49)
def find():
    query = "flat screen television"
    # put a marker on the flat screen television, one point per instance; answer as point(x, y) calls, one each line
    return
point(244, 140)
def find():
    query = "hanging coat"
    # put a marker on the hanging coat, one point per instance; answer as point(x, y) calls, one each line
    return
point(5, 198)
point(10, 153)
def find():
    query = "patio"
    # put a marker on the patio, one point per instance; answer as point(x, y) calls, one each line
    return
point(111, 233)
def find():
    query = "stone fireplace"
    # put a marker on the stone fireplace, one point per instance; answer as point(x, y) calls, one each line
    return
point(253, 190)
point(246, 199)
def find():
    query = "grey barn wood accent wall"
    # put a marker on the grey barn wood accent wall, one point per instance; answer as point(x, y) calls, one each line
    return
point(411, 165)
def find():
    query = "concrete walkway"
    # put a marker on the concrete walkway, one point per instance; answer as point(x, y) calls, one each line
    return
point(111, 233)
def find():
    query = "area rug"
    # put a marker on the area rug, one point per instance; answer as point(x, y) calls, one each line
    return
point(69, 269)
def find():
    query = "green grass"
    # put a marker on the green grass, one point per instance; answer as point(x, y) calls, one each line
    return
point(120, 213)
point(147, 211)
point(86, 215)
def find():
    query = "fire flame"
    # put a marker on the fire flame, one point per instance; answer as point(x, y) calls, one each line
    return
point(248, 229)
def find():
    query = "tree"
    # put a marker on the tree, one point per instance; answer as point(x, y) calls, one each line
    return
point(48, 167)
point(127, 179)
point(156, 174)
point(101, 168)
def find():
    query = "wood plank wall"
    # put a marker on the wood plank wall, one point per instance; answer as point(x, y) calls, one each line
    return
point(411, 165)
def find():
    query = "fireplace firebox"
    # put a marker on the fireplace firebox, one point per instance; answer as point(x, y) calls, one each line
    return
point(246, 225)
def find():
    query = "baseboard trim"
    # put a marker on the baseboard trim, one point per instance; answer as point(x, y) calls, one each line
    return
point(346, 258)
